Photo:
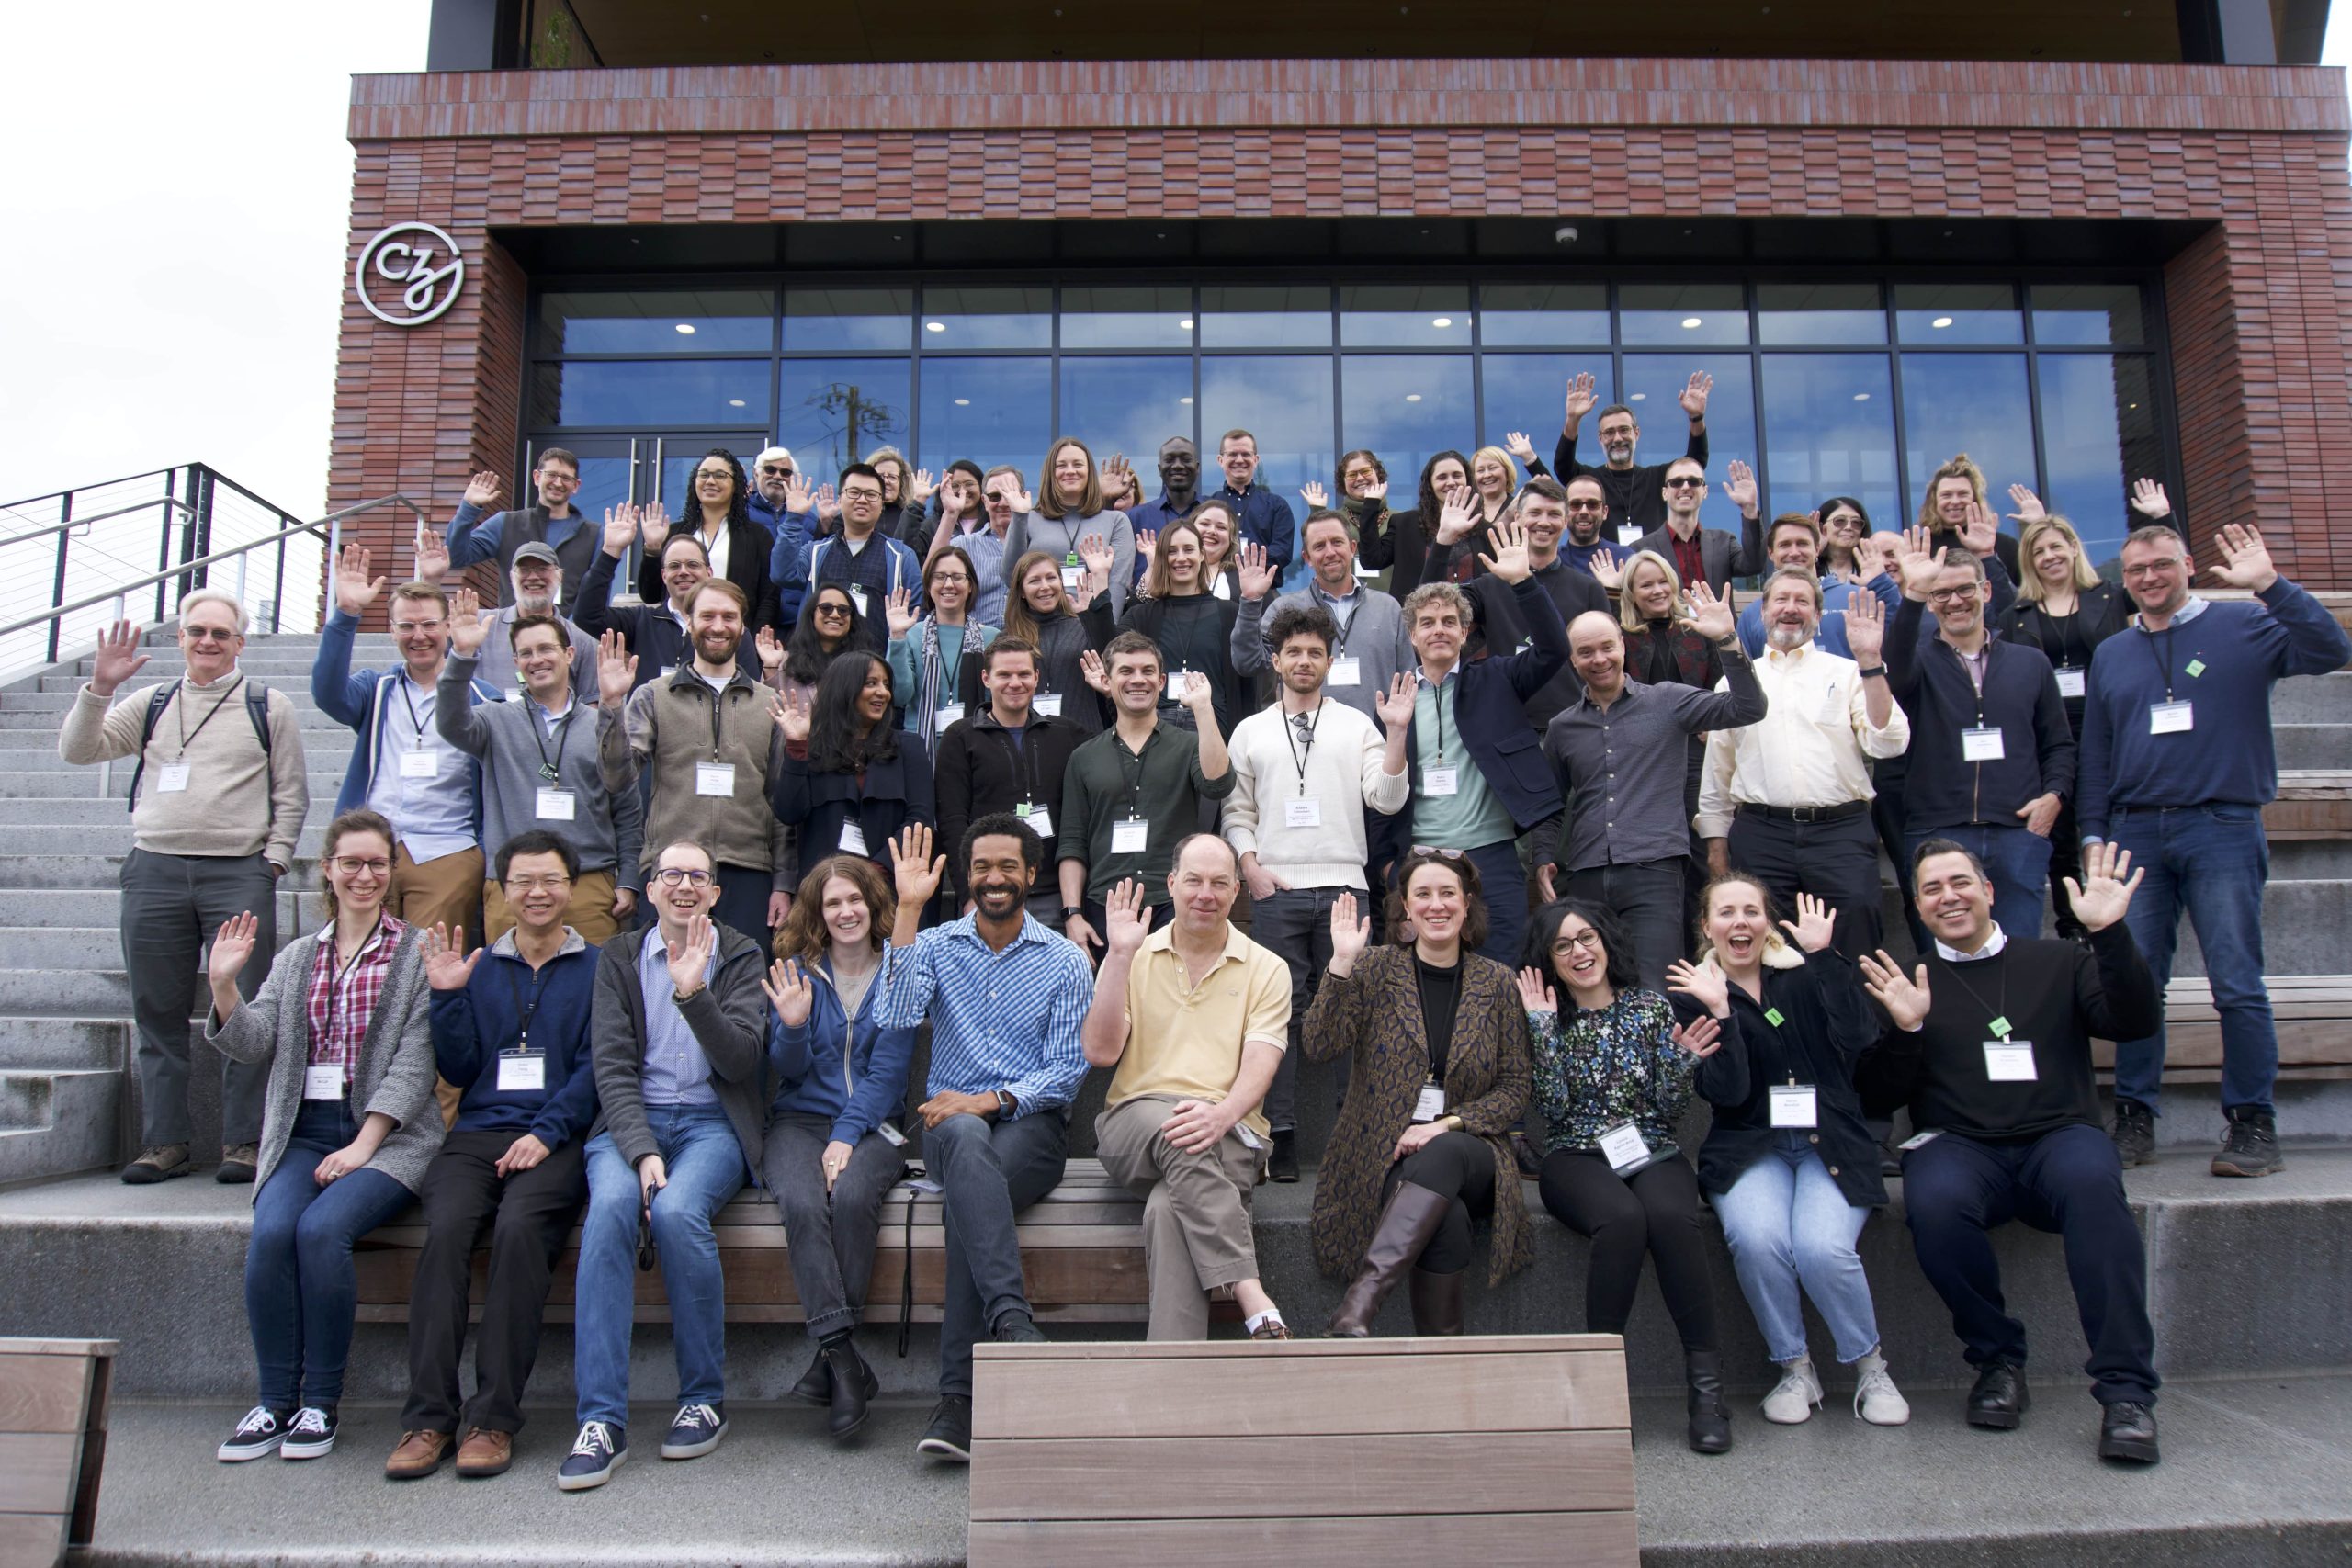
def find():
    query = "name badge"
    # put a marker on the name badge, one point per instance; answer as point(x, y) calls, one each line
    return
point(2010, 1061)
point(2072, 683)
point(1346, 671)
point(521, 1070)
point(1622, 1147)
point(2172, 718)
point(322, 1083)
point(1072, 574)
point(1303, 811)
point(857, 597)
point(1980, 746)
point(715, 778)
point(945, 715)
point(1792, 1105)
point(1040, 819)
point(1432, 1103)
point(852, 838)
point(419, 765)
point(1441, 781)
point(172, 778)
point(1628, 534)
point(1129, 835)
point(891, 1135)
point(554, 805)
point(1177, 680)
point(1046, 703)
point(1920, 1140)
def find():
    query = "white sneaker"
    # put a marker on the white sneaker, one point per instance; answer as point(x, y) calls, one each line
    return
point(1875, 1398)
point(1793, 1399)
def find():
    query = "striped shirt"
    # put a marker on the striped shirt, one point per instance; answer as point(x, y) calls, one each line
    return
point(1006, 1020)
point(342, 997)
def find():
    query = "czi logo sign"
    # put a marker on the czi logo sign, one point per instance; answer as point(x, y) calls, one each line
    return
point(397, 277)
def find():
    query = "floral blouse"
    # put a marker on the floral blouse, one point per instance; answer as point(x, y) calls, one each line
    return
point(1596, 1069)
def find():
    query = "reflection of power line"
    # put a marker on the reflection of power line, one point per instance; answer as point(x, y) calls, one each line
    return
point(862, 418)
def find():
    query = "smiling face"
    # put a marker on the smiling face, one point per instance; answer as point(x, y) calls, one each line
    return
point(359, 872)
point(209, 640)
point(997, 877)
point(1790, 613)
point(1653, 591)
point(829, 615)
point(714, 485)
point(1011, 681)
point(1686, 486)
point(1041, 588)
point(1579, 959)
point(536, 582)
point(849, 921)
point(684, 568)
point(1238, 455)
point(999, 492)
point(1587, 507)
point(1492, 478)
point(716, 626)
point(1135, 682)
point(1213, 526)
point(1179, 466)
point(1436, 903)
point(1444, 479)
point(1545, 519)
point(873, 696)
point(1204, 883)
point(1736, 925)
point(949, 587)
point(1617, 433)
point(965, 489)
point(537, 890)
point(1842, 527)
point(1952, 498)
point(675, 905)
point(2052, 557)
point(1068, 466)
point(894, 480)
point(1792, 546)
point(420, 631)
point(1954, 902)
point(1331, 555)
point(557, 481)
point(774, 476)
point(1180, 549)
point(1361, 475)
point(2155, 574)
point(1958, 599)
point(544, 661)
point(1597, 650)
point(861, 497)
point(1438, 632)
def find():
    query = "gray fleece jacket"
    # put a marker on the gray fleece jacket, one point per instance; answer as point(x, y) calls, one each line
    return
point(607, 829)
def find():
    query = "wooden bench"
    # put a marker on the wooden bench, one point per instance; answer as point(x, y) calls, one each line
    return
point(2313, 1014)
point(1335, 1451)
point(1082, 1256)
point(53, 1401)
point(2312, 803)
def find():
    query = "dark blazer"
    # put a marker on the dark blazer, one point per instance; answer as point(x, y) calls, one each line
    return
point(1489, 704)
point(2099, 612)
point(1725, 557)
point(1501, 629)
point(748, 547)
point(652, 632)
point(1390, 539)
point(883, 799)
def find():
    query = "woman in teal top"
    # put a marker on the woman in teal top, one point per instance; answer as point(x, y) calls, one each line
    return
point(936, 659)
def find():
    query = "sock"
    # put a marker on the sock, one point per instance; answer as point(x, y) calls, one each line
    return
point(1257, 1320)
point(838, 1337)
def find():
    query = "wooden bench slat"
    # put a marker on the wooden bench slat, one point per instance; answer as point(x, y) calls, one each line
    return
point(1558, 1541)
point(44, 1393)
point(37, 1472)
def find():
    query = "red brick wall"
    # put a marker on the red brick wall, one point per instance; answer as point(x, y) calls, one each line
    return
point(2258, 306)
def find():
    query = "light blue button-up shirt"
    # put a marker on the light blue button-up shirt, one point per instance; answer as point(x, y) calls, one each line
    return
point(1004, 1020)
point(675, 1072)
point(433, 817)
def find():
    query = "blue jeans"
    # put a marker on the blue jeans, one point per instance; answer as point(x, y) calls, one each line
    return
point(706, 1168)
point(1789, 1225)
point(2016, 861)
point(300, 1288)
point(2212, 862)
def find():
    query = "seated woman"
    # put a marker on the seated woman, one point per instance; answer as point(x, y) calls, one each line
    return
point(840, 1076)
point(849, 781)
point(936, 659)
point(1437, 1046)
point(348, 1125)
point(1613, 1072)
point(1791, 1170)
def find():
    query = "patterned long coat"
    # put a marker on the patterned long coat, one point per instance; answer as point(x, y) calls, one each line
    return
point(1375, 1016)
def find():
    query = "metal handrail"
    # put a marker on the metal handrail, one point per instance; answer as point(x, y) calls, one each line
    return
point(167, 501)
point(61, 494)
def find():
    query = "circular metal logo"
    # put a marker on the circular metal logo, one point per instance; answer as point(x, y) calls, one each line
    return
point(404, 264)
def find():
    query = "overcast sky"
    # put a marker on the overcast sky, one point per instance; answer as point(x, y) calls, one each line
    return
point(175, 205)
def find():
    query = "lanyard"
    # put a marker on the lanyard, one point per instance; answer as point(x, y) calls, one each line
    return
point(551, 771)
point(1024, 761)
point(1306, 727)
point(2000, 1018)
point(1437, 704)
point(1134, 780)
point(525, 1009)
point(2162, 659)
point(187, 737)
point(416, 725)
point(1344, 627)
point(339, 973)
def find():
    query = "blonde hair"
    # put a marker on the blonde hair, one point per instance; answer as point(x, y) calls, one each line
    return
point(1628, 616)
point(2030, 589)
point(235, 605)
point(1958, 465)
point(1511, 471)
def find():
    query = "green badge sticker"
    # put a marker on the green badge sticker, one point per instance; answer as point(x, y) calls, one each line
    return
point(2001, 1027)
point(1772, 1016)
point(2196, 667)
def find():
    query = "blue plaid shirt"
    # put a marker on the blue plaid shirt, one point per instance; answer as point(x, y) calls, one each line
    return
point(1004, 1020)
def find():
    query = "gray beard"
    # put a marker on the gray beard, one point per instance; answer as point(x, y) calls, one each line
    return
point(1786, 639)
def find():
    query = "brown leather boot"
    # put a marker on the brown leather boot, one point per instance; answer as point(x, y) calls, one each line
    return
point(419, 1455)
point(1437, 1302)
point(1411, 1218)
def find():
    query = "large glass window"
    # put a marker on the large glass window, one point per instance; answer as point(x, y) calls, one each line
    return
point(836, 412)
point(1681, 315)
point(1804, 314)
point(1527, 392)
point(1406, 408)
point(1944, 315)
point(1830, 431)
point(1544, 315)
point(1127, 317)
point(603, 393)
point(2098, 429)
point(1973, 404)
point(1285, 403)
point(2097, 315)
point(1385, 315)
point(986, 318)
point(991, 411)
point(1261, 317)
point(848, 319)
point(663, 320)
point(1654, 383)
point(1127, 406)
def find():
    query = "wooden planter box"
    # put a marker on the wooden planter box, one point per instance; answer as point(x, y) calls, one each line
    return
point(52, 1444)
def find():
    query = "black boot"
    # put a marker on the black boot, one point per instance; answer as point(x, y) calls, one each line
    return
point(2252, 1146)
point(1999, 1400)
point(850, 1376)
point(2127, 1430)
point(1411, 1218)
point(1281, 1164)
point(816, 1384)
point(1710, 1421)
point(1437, 1302)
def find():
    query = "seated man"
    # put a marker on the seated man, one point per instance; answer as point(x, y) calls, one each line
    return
point(1195, 1017)
point(1004, 996)
point(680, 1043)
point(510, 1032)
point(1990, 1048)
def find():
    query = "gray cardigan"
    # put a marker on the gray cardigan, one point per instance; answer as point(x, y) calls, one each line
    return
point(393, 1075)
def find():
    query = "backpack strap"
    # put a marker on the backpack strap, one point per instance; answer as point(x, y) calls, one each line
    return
point(157, 701)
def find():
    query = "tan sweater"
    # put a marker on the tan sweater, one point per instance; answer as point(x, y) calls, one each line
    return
point(237, 800)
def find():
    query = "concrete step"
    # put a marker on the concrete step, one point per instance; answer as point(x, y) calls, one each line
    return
point(2327, 745)
point(72, 993)
point(2312, 699)
point(30, 910)
point(83, 782)
point(325, 750)
point(64, 1044)
point(58, 1121)
point(26, 860)
point(19, 716)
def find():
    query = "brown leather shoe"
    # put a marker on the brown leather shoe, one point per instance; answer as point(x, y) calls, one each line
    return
point(485, 1454)
point(420, 1454)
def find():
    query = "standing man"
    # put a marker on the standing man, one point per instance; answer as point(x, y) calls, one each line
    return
point(1179, 487)
point(1264, 516)
point(1587, 507)
point(865, 562)
point(1991, 1049)
point(1633, 492)
point(403, 769)
point(1135, 791)
point(1305, 772)
point(1541, 508)
point(537, 580)
point(1194, 1017)
point(541, 773)
point(216, 810)
point(678, 1035)
point(1004, 997)
point(1007, 759)
point(553, 521)
point(2178, 765)
point(1707, 555)
point(1991, 753)
point(510, 1031)
point(656, 631)
point(706, 734)
point(1787, 798)
point(1795, 544)
point(1621, 754)
point(1369, 647)
point(772, 472)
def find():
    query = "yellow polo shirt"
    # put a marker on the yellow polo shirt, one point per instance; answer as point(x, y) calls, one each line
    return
point(1186, 1041)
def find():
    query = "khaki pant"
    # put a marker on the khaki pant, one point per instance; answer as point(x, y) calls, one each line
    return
point(440, 892)
point(1195, 1213)
point(589, 912)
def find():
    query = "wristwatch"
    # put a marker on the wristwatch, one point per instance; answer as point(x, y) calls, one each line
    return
point(1070, 912)
point(1874, 670)
point(1006, 1106)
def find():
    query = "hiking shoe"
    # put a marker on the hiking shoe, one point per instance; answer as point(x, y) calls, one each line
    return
point(595, 1454)
point(2134, 1133)
point(2251, 1147)
point(157, 1162)
point(238, 1163)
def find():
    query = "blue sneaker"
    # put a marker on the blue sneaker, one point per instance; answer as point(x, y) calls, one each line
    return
point(595, 1454)
point(693, 1431)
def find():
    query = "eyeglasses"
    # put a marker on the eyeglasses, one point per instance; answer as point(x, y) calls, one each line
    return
point(775, 472)
point(828, 608)
point(2153, 569)
point(1952, 595)
point(1686, 481)
point(209, 634)
point(1589, 940)
point(956, 576)
point(861, 493)
point(672, 876)
point(1587, 506)
point(352, 865)
point(538, 884)
point(1433, 850)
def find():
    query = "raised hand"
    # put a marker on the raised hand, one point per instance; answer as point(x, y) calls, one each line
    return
point(1815, 924)
point(1096, 552)
point(913, 870)
point(1710, 616)
point(1127, 920)
point(1739, 488)
point(2245, 560)
point(1695, 393)
point(1377, 490)
point(2028, 506)
point(354, 589)
point(2104, 892)
point(1396, 704)
point(1350, 934)
point(828, 505)
point(791, 712)
point(1702, 983)
point(1118, 473)
point(1517, 444)
point(1257, 577)
point(898, 609)
point(2149, 501)
point(1916, 564)
point(653, 529)
point(1455, 518)
point(483, 490)
point(432, 555)
point(690, 958)
point(1315, 495)
point(1535, 993)
point(1509, 563)
point(615, 671)
point(1904, 997)
point(620, 529)
point(1147, 549)
point(918, 490)
point(1090, 664)
point(770, 648)
point(467, 628)
point(1200, 697)
point(1023, 502)
point(448, 966)
point(789, 992)
point(1865, 627)
point(118, 659)
point(1979, 530)
point(1606, 571)
point(798, 498)
point(1701, 1037)
point(1582, 397)
point(232, 949)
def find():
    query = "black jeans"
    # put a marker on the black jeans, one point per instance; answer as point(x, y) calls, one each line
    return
point(529, 1216)
point(988, 1172)
point(1655, 1210)
point(1295, 923)
point(1836, 861)
point(1647, 896)
point(1455, 1166)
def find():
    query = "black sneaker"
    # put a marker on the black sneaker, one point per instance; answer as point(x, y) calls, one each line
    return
point(595, 1454)
point(1017, 1327)
point(2134, 1133)
point(693, 1431)
point(310, 1434)
point(949, 1436)
point(260, 1431)
point(2251, 1147)
point(1281, 1165)
point(2128, 1430)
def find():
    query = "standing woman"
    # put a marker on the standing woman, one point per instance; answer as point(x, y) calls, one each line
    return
point(1071, 508)
point(829, 623)
point(936, 660)
point(849, 779)
point(1220, 561)
point(1661, 647)
point(719, 513)
point(1792, 1171)
point(840, 1076)
point(1494, 485)
point(1063, 628)
point(348, 1125)
point(1192, 628)
point(1436, 1040)
point(1401, 542)
point(1613, 1073)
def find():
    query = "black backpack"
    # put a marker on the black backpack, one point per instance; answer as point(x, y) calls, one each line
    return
point(256, 709)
